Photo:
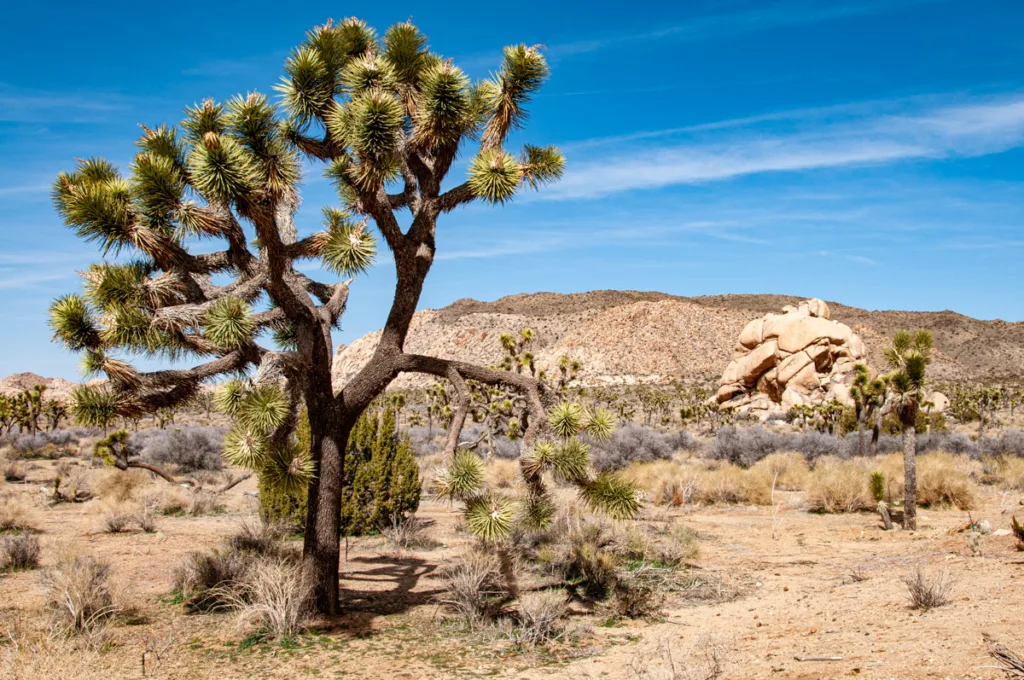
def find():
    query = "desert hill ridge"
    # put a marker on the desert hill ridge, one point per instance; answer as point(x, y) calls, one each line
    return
point(648, 336)
point(639, 336)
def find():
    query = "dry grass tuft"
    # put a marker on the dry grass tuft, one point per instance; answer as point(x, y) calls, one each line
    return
point(119, 486)
point(256, 536)
point(474, 588)
point(538, 618)
point(503, 474)
point(943, 479)
point(928, 592)
point(14, 516)
point(79, 596)
point(791, 468)
point(1009, 472)
point(12, 470)
point(408, 534)
point(207, 579)
point(117, 518)
point(673, 483)
point(19, 552)
point(276, 596)
point(838, 486)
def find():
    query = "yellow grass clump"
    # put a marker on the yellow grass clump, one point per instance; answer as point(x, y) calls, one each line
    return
point(502, 474)
point(673, 483)
point(1009, 472)
point(791, 467)
point(14, 516)
point(943, 479)
point(112, 484)
point(838, 486)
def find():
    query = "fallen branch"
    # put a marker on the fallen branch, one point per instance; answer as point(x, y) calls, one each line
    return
point(819, 658)
point(1009, 661)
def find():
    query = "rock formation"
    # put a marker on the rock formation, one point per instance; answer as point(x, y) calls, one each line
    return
point(798, 357)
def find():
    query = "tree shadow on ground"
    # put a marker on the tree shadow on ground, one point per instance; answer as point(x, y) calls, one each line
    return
point(383, 585)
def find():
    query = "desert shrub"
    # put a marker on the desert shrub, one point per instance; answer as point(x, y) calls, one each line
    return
point(1018, 531)
point(1009, 472)
point(1009, 443)
point(208, 580)
point(946, 441)
point(12, 470)
point(202, 503)
point(791, 468)
point(743, 446)
point(538, 618)
point(14, 516)
point(256, 536)
point(474, 587)
point(682, 440)
point(422, 440)
point(79, 595)
point(704, 660)
point(942, 479)
point(409, 534)
point(927, 592)
point(837, 486)
point(628, 444)
point(732, 484)
point(45, 444)
point(877, 485)
point(19, 552)
point(188, 448)
point(590, 563)
point(813, 444)
point(502, 474)
point(505, 449)
point(671, 483)
point(276, 596)
point(117, 518)
point(637, 596)
point(118, 485)
point(146, 519)
point(669, 546)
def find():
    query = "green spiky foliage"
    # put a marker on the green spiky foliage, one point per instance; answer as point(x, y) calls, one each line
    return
point(908, 355)
point(95, 406)
point(868, 396)
point(565, 454)
point(381, 485)
point(384, 117)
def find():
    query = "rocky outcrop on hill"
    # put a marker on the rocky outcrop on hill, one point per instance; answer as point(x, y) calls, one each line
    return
point(624, 337)
point(783, 360)
point(56, 388)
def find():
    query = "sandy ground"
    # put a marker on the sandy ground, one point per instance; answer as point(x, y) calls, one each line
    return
point(827, 586)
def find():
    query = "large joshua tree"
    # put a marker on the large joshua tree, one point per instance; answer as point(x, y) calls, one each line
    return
point(387, 118)
point(908, 356)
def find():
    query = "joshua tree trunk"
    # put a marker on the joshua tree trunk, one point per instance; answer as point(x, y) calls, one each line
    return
point(876, 429)
point(322, 541)
point(909, 475)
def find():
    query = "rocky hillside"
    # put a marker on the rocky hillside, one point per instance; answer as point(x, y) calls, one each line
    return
point(56, 388)
point(629, 336)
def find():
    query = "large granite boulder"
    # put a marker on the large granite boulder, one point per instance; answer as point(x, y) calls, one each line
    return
point(800, 356)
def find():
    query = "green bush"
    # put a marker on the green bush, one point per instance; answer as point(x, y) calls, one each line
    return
point(381, 484)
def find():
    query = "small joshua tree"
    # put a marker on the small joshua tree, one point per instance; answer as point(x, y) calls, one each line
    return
point(387, 118)
point(868, 397)
point(908, 356)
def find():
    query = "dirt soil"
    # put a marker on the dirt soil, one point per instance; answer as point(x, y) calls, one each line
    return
point(827, 586)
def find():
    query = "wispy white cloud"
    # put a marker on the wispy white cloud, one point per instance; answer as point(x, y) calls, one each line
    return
point(35, 106)
point(738, 22)
point(972, 129)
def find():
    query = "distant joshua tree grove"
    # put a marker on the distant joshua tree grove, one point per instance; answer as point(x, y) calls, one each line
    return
point(386, 118)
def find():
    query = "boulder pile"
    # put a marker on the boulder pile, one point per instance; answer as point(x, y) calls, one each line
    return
point(798, 357)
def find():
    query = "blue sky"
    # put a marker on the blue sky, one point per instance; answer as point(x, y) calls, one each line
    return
point(866, 151)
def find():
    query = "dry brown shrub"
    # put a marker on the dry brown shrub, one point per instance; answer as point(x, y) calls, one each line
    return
point(112, 484)
point(14, 516)
point(51, 658)
point(503, 474)
point(673, 483)
point(705, 659)
point(733, 484)
point(19, 552)
point(943, 479)
point(838, 486)
point(79, 594)
point(538, 618)
point(276, 596)
point(791, 468)
point(1010, 472)
point(12, 470)
point(927, 592)
point(474, 587)
point(117, 517)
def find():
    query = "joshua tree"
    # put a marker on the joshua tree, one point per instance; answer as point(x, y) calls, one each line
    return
point(387, 118)
point(54, 411)
point(909, 355)
point(6, 413)
point(868, 397)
